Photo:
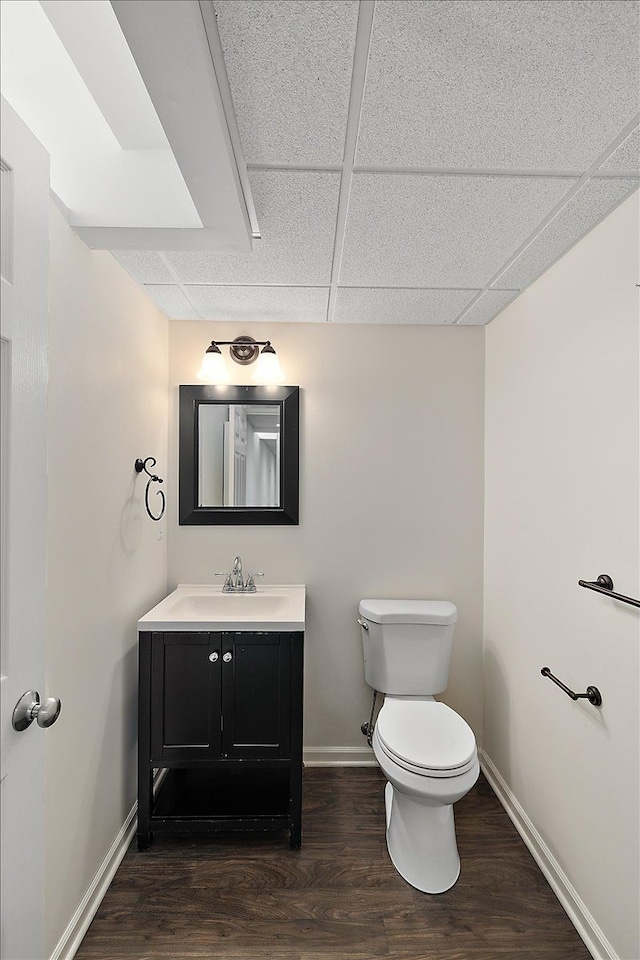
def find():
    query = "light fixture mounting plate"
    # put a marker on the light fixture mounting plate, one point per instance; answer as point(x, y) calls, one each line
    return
point(244, 350)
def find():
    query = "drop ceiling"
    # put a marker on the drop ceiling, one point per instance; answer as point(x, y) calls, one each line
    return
point(412, 161)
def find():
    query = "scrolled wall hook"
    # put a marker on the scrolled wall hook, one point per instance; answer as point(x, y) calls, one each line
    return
point(141, 465)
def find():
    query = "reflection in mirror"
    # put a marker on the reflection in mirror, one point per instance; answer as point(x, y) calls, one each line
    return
point(238, 449)
point(239, 464)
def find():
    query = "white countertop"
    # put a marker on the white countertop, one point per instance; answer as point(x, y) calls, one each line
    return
point(196, 607)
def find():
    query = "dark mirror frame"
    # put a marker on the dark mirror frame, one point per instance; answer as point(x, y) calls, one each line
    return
point(191, 397)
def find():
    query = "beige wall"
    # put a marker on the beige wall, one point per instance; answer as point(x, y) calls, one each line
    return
point(561, 505)
point(107, 406)
point(391, 497)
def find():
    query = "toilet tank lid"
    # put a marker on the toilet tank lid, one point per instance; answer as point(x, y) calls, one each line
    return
point(409, 611)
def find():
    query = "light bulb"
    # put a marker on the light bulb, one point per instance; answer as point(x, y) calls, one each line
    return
point(213, 369)
point(268, 368)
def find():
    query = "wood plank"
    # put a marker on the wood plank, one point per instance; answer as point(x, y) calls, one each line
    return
point(289, 873)
point(354, 940)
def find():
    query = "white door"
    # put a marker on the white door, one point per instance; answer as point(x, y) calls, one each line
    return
point(23, 333)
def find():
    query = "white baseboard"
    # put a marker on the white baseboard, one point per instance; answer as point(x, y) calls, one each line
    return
point(80, 922)
point(339, 757)
point(593, 937)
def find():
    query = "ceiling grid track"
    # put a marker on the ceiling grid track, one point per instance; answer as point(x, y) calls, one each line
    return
point(295, 167)
point(486, 172)
point(217, 58)
point(252, 283)
point(434, 171)
point(178, 282)
point(364, 30)
point(408, 286)
point(557, 209)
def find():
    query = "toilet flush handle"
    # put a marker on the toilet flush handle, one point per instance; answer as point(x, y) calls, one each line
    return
point(363, 623)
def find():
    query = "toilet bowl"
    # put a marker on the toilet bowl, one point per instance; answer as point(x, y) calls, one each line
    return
point(428, 754)
point(425, 750)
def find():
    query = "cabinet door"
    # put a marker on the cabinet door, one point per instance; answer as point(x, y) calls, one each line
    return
point(256, 695)
point(185, 696)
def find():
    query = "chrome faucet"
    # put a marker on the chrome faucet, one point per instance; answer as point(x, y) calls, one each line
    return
point(234, 583)
point(236, 574)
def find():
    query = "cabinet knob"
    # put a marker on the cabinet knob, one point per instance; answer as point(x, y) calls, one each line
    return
point(213, 656)
point(227, 657)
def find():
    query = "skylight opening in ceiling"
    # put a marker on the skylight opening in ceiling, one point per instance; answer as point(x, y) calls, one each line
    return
point(111, 162)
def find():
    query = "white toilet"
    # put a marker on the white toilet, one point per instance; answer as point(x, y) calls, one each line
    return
point(426, 751)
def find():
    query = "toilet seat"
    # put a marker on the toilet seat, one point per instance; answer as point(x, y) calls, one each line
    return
point(426, 737)
point(426, 772)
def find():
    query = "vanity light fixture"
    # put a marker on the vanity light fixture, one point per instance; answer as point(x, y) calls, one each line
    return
point(243, 350)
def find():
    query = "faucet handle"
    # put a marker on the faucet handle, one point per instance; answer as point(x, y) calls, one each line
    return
point(227, 583)
point(250, 585)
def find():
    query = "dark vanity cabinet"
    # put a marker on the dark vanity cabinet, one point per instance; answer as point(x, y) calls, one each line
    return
point(220, 714)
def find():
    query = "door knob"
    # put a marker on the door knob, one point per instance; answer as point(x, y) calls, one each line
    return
point(213, 656)
point(227, 657)
point(28, 708)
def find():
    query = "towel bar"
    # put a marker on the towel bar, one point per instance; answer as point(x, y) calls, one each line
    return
point(604, 584)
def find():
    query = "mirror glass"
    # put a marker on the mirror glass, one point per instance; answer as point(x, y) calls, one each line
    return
point(238, 454)
point(239, 461)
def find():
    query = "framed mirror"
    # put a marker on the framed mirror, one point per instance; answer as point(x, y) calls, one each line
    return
point(238, 452)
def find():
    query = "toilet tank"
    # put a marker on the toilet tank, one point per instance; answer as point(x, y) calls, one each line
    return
point(407, 645)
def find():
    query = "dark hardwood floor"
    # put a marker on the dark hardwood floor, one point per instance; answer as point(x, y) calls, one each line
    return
point(338, 898)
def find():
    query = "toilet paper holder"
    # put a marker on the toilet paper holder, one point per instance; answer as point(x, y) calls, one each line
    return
point(592, 694)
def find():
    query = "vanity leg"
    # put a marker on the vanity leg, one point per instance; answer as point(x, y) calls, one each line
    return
point(295, 770)
point(295, 837)
point(145, 800)
point(145, 771)
point(144, 842)
point(295, 808)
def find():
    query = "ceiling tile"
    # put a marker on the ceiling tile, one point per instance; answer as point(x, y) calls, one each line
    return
point(289, 65)
point(489, 304)
point(627, 156)
point(297, 217)
point(271, 304)
point(171, 300)
point(386, 305)
point(589, 205)
point(528, 85)
point(440, 231)
point(145, 266)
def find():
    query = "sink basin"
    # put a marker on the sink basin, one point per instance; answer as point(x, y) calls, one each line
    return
point(230, 604)
point(198, 607)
